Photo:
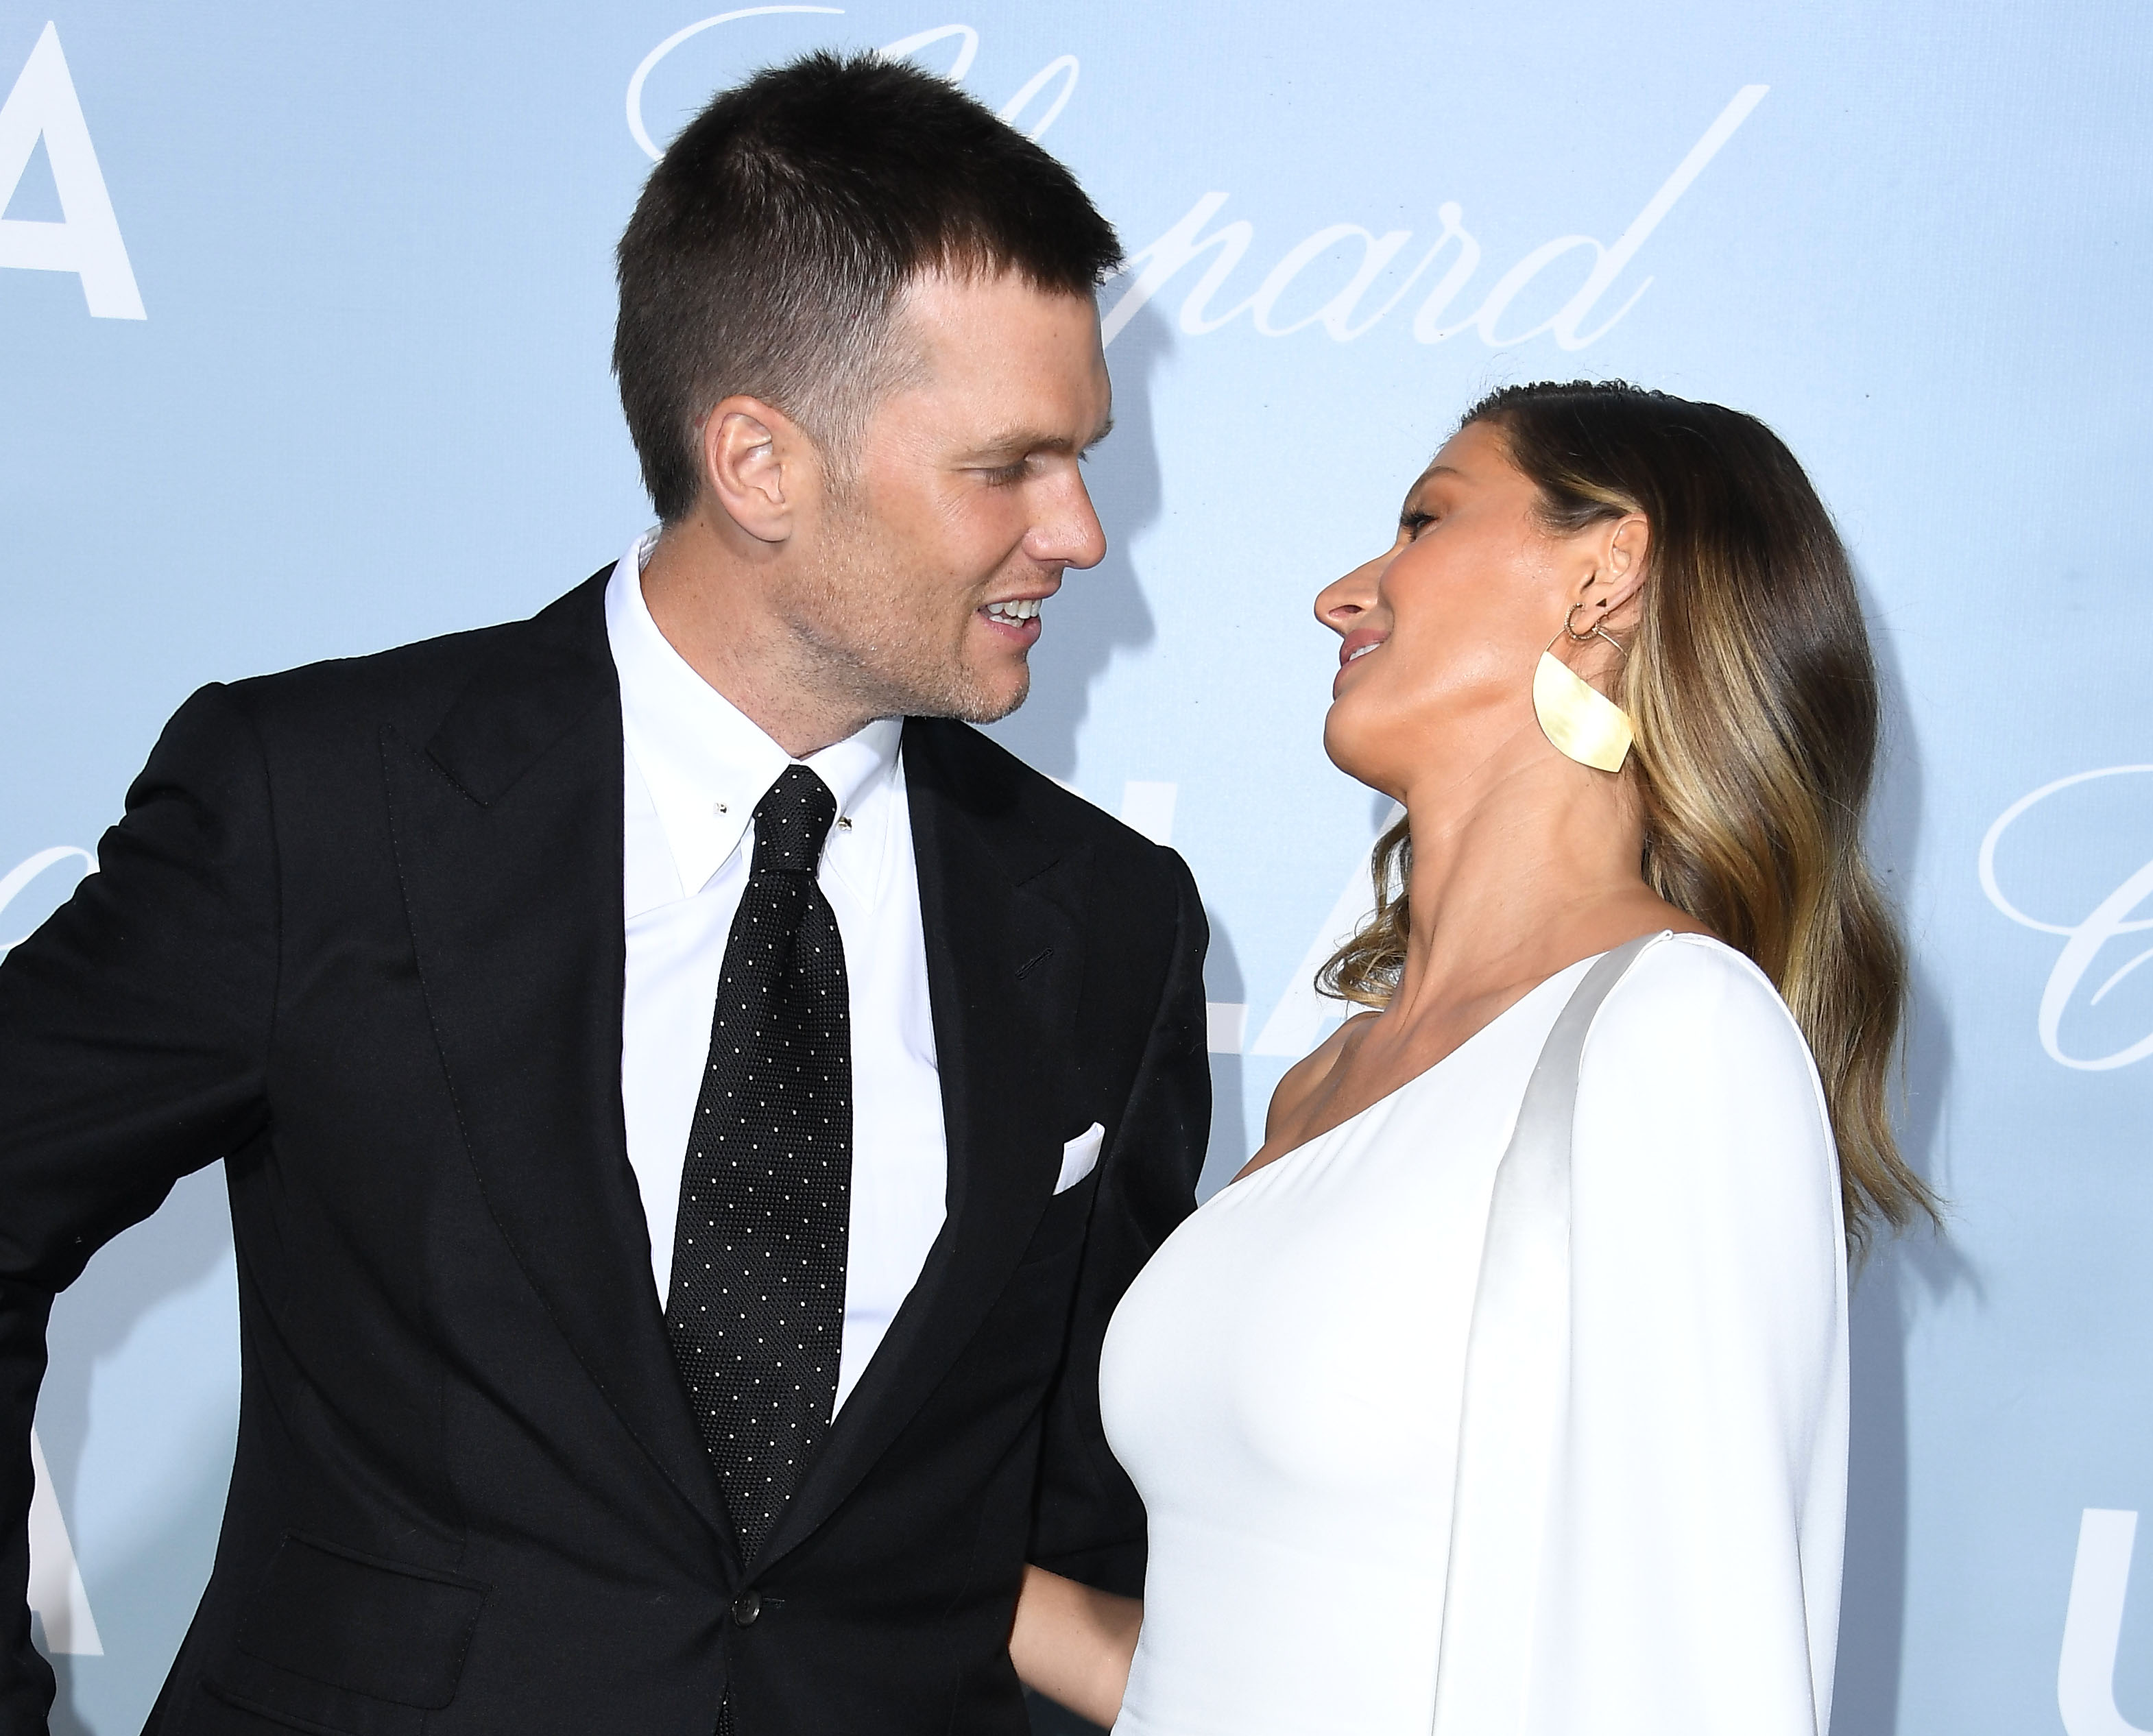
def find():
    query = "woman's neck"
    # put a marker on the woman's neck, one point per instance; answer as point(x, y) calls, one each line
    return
point(1519, 871)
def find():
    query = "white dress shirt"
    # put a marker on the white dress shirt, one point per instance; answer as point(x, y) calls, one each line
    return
point(696, 769)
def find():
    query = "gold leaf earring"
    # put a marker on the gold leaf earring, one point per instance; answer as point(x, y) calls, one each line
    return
point(1581, 720)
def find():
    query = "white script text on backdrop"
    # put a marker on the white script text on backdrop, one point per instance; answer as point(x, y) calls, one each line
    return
point(1151, 268)
point(2083, 939)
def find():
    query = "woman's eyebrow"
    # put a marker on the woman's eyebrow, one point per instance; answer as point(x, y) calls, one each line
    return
point(1421, 481)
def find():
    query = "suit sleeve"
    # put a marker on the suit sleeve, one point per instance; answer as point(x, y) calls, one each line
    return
point(133, 1027)
point(1089, 1523)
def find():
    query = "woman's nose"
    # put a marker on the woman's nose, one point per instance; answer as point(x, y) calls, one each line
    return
point(1344, 601)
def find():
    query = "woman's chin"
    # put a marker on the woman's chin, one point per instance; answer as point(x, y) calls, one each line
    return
point(1347, 745)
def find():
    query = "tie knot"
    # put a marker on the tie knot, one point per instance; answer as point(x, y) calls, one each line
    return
point(792, 821)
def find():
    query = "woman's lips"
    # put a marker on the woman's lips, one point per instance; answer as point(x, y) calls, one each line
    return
point(1358, 644)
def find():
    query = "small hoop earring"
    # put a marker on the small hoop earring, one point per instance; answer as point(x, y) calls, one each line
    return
point(1593, 630)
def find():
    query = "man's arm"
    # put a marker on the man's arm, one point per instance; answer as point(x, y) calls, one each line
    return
point(1089, 1525)
point(134, 1031)
point(1074, 1644)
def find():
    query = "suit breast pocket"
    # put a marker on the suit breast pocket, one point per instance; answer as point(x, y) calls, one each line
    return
point(1061, 1226)
point(344, 1640)
point(1080, 1157)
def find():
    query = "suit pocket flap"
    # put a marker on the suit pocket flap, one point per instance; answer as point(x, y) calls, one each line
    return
point(384, 1629)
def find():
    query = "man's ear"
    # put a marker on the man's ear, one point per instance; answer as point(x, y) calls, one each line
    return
point(757, 465)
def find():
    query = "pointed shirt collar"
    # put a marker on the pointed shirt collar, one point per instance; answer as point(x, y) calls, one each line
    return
point(706, 764)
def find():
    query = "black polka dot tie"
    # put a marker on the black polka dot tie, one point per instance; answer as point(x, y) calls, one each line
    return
point(756, 1310)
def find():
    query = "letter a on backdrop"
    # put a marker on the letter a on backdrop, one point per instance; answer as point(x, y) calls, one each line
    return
point(86, 241)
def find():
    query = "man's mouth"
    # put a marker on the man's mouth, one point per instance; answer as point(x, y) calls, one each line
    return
point(1015, 612)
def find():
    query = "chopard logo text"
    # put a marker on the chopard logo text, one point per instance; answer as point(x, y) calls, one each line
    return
point(2084, 939)
point(1433, 284)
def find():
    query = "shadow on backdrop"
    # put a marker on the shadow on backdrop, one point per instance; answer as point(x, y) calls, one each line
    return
point(142, 1594)
point(1101, 612)
point(1230, 1147)
point(1901, 1276)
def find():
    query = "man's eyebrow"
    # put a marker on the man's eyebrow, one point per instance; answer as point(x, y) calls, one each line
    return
point(1015, 442)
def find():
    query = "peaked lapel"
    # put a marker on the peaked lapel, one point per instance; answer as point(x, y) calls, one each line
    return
point(998, 904)
point(507, 827)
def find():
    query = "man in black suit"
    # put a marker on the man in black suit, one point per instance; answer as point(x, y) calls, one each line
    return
point(690, 1104)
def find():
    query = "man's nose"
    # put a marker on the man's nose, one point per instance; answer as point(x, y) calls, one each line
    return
point(1069, 533)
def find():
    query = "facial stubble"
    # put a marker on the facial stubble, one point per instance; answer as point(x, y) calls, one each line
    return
point(883, 633)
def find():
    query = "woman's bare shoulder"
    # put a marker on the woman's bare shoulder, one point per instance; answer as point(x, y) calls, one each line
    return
point(1306, 1077)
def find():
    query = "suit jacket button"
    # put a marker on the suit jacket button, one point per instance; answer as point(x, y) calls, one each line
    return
point(746, 1607)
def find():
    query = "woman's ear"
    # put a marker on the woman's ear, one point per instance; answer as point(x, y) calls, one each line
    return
point(1618, 572)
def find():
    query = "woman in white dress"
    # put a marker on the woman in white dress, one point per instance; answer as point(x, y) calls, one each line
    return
point(1504, 1393)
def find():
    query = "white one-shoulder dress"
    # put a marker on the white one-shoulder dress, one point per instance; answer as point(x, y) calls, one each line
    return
point(1578, 1471)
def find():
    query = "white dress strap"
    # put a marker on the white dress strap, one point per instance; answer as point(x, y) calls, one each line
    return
point(1517, 1381)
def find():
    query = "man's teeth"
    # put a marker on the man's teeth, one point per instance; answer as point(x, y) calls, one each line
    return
point(1023, 609)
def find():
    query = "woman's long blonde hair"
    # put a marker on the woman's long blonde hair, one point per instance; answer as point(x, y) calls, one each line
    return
point(1754, 698)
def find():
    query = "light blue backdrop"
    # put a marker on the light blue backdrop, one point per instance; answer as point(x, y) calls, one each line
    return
point(366, 400)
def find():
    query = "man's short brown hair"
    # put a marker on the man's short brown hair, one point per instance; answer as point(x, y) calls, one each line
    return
point(770, 246)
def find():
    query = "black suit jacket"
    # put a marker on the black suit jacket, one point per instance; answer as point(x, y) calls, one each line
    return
point(359, 935)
